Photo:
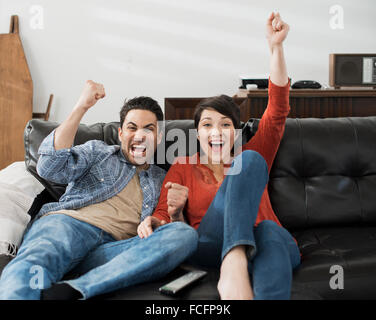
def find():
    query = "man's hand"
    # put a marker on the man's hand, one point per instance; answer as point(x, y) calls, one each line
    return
point(177, 196)
point(276, 30)
point(146, 227)
point(91, 93)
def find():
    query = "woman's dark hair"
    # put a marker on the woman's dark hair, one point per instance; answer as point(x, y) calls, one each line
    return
point(140, 103)
point(222, 104)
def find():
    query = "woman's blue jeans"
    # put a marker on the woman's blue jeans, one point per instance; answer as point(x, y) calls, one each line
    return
point(58, 243)
point(271, 250)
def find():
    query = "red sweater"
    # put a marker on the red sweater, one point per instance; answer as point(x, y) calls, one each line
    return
point(200, 179)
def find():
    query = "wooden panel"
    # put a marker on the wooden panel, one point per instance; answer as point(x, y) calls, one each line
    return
point(16, 96)
point(304, 104)
point(252, 108)
point(177, 108)
point(183, 108)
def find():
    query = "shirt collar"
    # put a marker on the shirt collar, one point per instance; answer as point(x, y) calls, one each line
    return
point(123, 158)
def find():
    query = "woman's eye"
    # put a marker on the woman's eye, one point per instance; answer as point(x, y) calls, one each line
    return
point(227, 125)
point(206, 125)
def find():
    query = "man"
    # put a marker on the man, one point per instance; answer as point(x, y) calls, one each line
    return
point(110, 189)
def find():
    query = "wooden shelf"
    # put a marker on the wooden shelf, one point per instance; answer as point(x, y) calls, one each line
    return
point(304, 103)
point(311, 93)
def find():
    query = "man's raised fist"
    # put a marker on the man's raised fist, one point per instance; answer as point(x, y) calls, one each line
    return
point(91, 93)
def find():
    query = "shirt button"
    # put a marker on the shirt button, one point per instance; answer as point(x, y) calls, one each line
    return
point(146, 206)
point(68, 150)
point(145, 188)
point(133, 167)
point(102, 179)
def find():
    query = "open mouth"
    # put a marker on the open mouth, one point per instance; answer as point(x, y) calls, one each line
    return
point(216, 146)
point(138, 150)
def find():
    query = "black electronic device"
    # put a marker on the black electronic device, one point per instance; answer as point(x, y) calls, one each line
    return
point(261, 83)
point(306, 84)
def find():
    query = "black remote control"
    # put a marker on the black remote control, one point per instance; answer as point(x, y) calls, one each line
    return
point(182, 282)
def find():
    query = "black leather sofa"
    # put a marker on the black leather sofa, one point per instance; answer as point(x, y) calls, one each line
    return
point(322, 187)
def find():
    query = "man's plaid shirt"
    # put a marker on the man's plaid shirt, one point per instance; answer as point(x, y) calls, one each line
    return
point(94, 172)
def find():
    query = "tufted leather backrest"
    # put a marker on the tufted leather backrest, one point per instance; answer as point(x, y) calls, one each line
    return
point(324, 173)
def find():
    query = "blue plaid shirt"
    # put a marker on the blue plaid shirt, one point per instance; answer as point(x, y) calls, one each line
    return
point(94, 172)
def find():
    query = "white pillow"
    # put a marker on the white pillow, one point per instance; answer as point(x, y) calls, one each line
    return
point(18, 188)
point(17, 175)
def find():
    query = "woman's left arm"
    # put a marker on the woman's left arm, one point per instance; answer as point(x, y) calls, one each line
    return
point(276, 33)
point(271, 126)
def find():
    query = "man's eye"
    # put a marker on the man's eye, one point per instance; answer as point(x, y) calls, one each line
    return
point(132, 128)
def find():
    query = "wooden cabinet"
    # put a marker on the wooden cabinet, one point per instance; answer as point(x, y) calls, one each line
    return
point(307, 103)
point(16, 96)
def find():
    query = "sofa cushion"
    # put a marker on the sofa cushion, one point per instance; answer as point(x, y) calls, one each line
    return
point(204, 289)
point(4, 260)
point(352, 248)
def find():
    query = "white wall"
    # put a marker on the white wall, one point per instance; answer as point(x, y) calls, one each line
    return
point(171, 48)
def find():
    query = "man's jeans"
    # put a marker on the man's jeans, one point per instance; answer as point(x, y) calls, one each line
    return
point(57, 243)
point(272, 251)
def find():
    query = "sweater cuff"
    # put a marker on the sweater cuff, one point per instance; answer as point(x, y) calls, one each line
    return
point(279, 93)
point(278, 89)
point(161, 217)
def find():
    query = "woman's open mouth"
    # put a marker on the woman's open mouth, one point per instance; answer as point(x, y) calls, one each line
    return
point(216, 146)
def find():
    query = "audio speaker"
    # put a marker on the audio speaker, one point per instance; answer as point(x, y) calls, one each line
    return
point(352, 70)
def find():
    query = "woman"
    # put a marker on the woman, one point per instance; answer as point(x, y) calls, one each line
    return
point(223, 203)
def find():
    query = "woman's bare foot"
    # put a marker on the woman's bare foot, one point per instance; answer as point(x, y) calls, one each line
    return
point(234, 282)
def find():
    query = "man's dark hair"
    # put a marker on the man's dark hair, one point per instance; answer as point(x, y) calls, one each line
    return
point(140, 103)
point(222, 104)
